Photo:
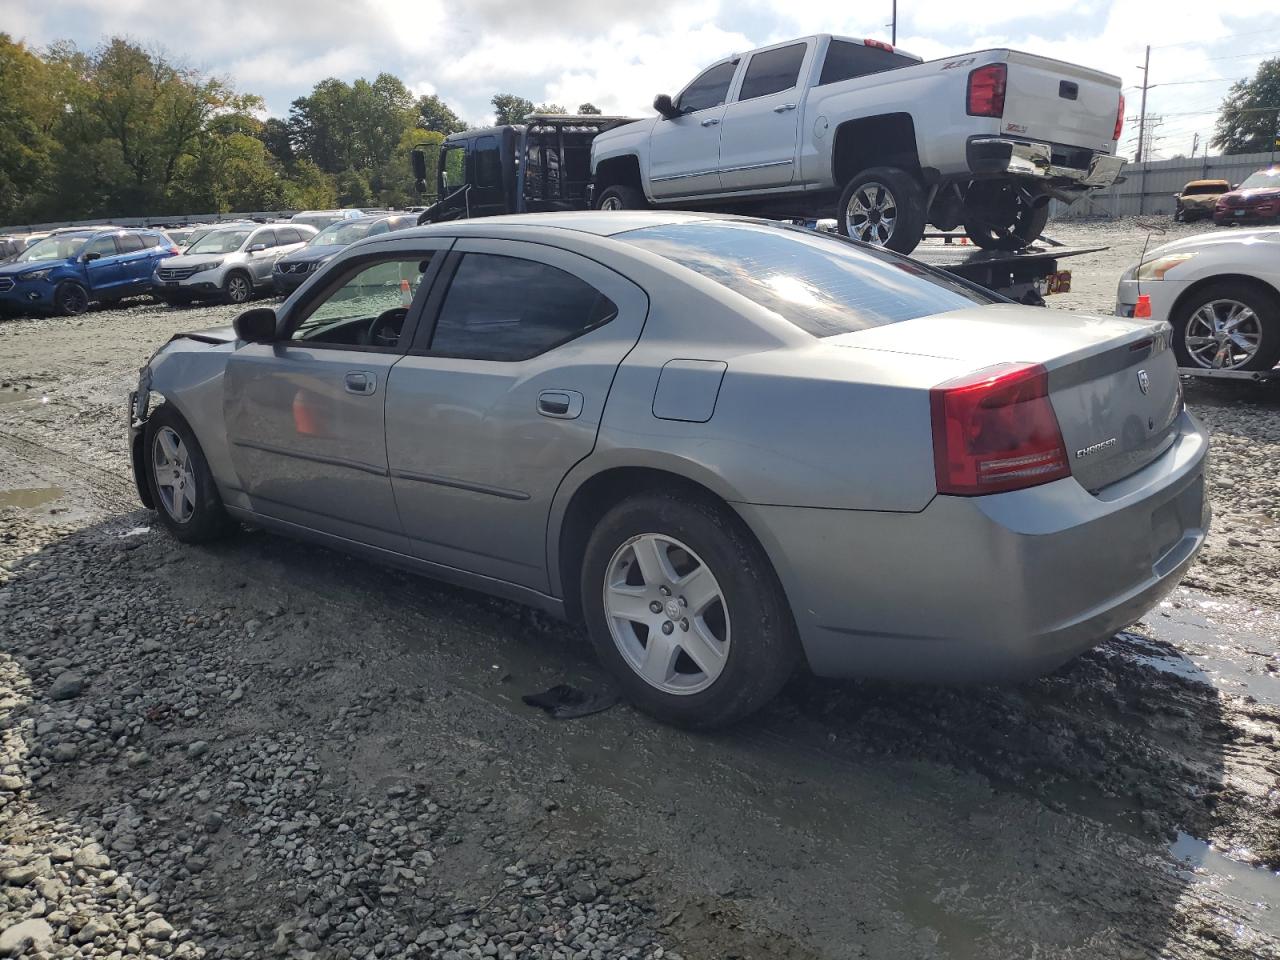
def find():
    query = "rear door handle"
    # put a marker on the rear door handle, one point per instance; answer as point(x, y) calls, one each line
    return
point(784, 107)
point(360, 381)
point(710, 121)
point(560, 404)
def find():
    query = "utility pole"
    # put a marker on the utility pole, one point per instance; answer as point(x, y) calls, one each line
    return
point(1142, 113)
point(894, 41)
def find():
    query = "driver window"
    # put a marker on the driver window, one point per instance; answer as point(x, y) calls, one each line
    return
point(102, 246)
point(368, 309)
point(710, 89)
point(452, 170)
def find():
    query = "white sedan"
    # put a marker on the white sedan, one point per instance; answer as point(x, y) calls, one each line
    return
point(1220, 292)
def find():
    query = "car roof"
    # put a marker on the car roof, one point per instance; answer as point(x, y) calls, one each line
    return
point(600, 223)
point(1207, 183)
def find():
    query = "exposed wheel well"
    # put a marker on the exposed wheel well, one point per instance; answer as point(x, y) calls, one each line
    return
point(618, 171)
point(1190, 293)
point(888, 140)
point(594, 499)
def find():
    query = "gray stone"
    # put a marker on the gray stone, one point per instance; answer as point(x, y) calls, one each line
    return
point(29, 933)
point(67, 686)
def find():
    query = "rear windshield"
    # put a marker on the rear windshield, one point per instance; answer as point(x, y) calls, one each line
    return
point(823, 284)
point(1199, 188)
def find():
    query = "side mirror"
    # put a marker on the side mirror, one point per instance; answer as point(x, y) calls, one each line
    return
point(257, 247)
point(257, 325)
point(92, 256)
point(419, 161)
point(663, 104)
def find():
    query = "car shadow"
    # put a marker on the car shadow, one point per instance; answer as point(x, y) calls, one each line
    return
point(856, 815)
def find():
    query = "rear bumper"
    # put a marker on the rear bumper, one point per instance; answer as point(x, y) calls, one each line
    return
point(999, 155)
point(987, 588)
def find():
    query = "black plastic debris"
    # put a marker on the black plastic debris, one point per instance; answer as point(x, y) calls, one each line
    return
point(568, 703)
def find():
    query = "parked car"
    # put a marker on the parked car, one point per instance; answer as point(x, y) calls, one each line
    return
point(10, 247)
point(228, 263)
point(850, 458)
point(853, 129)
point(1256, 200)
point(1221, 294)
point(1197, 200)
point(319, 219)
point(293, 269)
point(70, 269)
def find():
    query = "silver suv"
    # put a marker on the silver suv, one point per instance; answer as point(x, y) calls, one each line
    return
point(229, 263)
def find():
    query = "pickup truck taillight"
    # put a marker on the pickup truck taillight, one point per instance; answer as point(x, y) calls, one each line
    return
point(995, 430)
point(1119, 119)
point(986, 90)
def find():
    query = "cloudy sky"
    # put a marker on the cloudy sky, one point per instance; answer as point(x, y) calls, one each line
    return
point(619, 53)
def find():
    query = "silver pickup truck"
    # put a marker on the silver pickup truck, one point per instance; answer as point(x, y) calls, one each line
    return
point(883, 142)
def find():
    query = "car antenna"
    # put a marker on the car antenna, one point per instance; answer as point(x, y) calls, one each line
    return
point(1151, 227)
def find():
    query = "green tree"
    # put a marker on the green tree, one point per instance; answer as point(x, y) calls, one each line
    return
point(436, 115)
point(1249, 119)
point(508, 108)
point(310, 188)
point(589, 108)
point(275, 136)
point(549, 108)
point(30, 112)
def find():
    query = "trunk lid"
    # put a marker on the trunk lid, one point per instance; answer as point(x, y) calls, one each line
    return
point(1060, 103)
point(1113, 383)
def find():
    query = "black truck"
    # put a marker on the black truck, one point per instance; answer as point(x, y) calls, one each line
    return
point(544, 164)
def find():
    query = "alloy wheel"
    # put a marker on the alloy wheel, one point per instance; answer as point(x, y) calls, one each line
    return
point(175, 480)
point(1223, 334)
point(74, 300)
point(667, 614)
point(871, 213)
point(611, 203)
point(238, 289)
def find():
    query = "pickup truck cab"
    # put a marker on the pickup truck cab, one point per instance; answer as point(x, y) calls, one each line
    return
point(70, 269)
point(829, 126)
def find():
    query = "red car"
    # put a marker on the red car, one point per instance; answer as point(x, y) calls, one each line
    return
point(1257, 200)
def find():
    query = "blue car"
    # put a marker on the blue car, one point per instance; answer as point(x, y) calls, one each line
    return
point(67, 271)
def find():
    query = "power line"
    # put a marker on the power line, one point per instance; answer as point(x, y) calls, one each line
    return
point(1202, 40)
point(1183, 83)
point(1241, 56)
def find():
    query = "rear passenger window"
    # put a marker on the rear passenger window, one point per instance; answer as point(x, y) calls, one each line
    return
point(286, 236)
point(772, 72)
point(505, 308)
point(847, 60)
point(129, 242)
point(488, 163)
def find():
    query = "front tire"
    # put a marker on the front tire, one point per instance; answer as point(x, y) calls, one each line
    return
point(71, 299)
point(1228, 325)
point(997, 216)
point(685, 610)
point(883, 206)
point(237, 288)
point(182, 488)
point(621, 197)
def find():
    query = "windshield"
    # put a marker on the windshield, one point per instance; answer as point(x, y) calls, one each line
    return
point(1263, 178)
point(61, 247)
point(824, 285)
point(341, 234)
point(1198, 189)
point(220, 241)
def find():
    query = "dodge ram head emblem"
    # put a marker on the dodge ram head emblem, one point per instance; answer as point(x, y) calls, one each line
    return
point(1144, 382)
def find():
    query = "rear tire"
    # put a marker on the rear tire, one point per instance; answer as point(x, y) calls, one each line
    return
point(717, 659)
point(622, 197)
point(71, 299)
point(883, 206)
point(237, 288)
point(998, 217)
point(1204, 322)
point(186, 498)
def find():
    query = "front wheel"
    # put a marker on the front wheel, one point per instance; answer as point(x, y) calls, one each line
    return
point(1000, 216)
point(883, 206)
point(684, 608)
point(237, 288)
point(182, 487)
point(1228, 325)
point(621, 198)
point(71, 299)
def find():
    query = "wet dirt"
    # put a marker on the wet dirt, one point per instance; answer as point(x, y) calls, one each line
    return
point(1126, 806)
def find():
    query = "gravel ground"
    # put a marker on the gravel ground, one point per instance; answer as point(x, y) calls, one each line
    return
point(263, 749)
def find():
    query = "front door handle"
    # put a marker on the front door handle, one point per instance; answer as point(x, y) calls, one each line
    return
point(360, 381)
point(560, 404)
point(784, 107)
point(710, 121)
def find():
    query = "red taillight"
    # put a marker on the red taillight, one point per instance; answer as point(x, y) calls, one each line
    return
point(986, 90)
point(1119, 119)
point(995, 430)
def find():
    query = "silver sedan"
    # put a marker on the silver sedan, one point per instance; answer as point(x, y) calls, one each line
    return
point(731, 448)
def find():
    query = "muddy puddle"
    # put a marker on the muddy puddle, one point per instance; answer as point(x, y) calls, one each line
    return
point(30, 498)
point(1255, 890)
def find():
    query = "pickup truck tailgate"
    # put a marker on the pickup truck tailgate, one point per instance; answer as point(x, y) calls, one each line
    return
point(1055, 102)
